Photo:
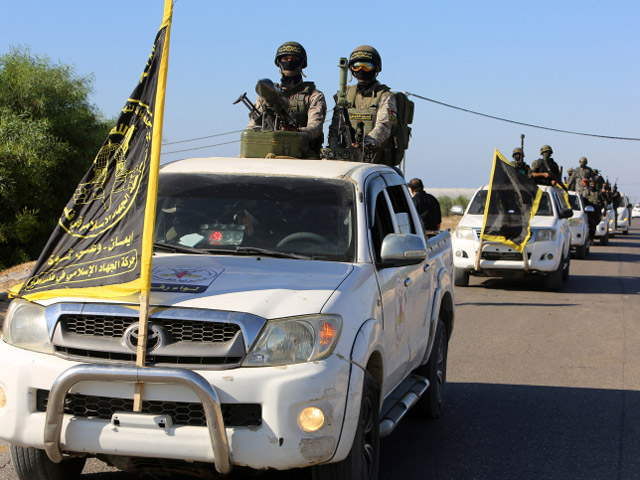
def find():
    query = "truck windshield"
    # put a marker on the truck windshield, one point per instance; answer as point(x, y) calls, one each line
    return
point(229, 214)
point(507, 207)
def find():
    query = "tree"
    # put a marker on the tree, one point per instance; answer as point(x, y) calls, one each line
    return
point(49, 136)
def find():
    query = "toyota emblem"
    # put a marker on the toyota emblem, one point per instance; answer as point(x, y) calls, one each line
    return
point(155, 336)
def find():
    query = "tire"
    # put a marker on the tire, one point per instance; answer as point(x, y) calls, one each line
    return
point(553, 281)
point(460, 277)
point(625, 232)
point(363, 459)
point(33, 464)
point(604, 240)
point(581, 251)
point(431, 403)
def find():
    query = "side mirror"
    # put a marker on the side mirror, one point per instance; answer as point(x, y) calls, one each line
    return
point(589, 209)
point(402, 249)
point(457, 210)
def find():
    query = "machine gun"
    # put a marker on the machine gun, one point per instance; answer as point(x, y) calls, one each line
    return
point(276, 113)
point(278, 134)
point(343, 148)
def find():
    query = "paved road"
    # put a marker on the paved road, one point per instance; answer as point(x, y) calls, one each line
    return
point(541, 385)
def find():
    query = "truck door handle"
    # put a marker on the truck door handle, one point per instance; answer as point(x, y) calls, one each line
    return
point(407, 281)
point(426, 267)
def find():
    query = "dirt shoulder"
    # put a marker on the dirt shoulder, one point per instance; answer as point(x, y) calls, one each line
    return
point(8, 278)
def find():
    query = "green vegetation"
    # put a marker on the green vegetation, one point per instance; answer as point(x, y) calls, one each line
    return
point(447, 202)
point(49, 135)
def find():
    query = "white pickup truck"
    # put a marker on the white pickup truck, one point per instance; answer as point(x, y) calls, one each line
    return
point(298, 312)
point(579, 225)
point(547, 254)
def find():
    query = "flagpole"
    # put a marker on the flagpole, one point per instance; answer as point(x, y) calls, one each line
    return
point(150, 210)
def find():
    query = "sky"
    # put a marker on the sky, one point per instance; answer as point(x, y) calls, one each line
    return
point(566, 65)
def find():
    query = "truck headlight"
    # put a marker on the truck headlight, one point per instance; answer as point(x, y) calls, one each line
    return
point(464, 233)
point(545, 235)
point(295, 340)
point(25, 326)
point(575, 222)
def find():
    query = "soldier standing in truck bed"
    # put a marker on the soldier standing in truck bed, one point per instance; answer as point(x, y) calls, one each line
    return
point(371, 103)
point(545, 170)
point(518, 162)
point(307, 105)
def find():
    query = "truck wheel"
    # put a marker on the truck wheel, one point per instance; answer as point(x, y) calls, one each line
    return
point(553, 280)
point(604, 240)
point(625, 232)
point(362, 461)
point(460, 277)
point(33, 464)
point(430, 404)
point(581, 251)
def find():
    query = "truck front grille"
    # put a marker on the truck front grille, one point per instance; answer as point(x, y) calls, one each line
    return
point(182, 413)
point(171, 340)
point(517, 256)
point(179, 330)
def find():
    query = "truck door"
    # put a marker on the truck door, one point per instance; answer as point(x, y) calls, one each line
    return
point(397, 284)
point(418, 280)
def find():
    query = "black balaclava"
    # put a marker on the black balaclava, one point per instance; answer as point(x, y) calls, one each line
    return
point(365, 79)
point(291, 73)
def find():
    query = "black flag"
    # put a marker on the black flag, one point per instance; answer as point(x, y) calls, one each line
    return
point(512, 201)
point(96, 249)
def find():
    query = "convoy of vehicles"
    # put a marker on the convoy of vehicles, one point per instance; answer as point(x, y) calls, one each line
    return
point(297, 313)
point(547, 254)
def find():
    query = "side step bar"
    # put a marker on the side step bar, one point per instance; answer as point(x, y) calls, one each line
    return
point(400, 401)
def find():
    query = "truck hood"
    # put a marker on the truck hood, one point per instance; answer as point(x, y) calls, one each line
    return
point(263, 286)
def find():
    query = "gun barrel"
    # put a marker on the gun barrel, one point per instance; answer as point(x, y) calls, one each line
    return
point(343, 64)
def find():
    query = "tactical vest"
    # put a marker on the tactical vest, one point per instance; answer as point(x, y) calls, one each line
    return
point(299, 108)
point(366, 111)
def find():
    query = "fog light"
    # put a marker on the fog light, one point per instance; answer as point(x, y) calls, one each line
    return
point(549, 256)
point(311, 419)
point(3, 398)
point(458, 253)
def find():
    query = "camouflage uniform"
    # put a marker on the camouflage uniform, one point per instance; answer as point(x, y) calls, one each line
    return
point(382, 125)
point(316, 111)
point(580, 177)
point(597, 178)
point(540, 167)
point(596, 200)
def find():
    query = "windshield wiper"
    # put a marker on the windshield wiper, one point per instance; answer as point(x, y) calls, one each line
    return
point(271, 253)
point(178, 248)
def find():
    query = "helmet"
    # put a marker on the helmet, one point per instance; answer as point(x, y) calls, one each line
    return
point(517, 150)
point(595, 171)
point(291, 48)
point(368, 54)
point(583, 161)
point(545, 148)
point(570, 171)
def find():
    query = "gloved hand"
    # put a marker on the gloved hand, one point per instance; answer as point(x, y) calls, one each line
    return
point(370, 142)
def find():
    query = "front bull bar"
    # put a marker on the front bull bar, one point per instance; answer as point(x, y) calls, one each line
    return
point(186, 378)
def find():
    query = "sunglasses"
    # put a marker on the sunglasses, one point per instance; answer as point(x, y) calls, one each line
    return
point(364, 66)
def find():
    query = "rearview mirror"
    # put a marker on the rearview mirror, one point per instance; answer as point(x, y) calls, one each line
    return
point(589, 209)
point(457, 210)
point(402, 249)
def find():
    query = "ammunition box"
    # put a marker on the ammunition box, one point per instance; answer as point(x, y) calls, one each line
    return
point(260, 143)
